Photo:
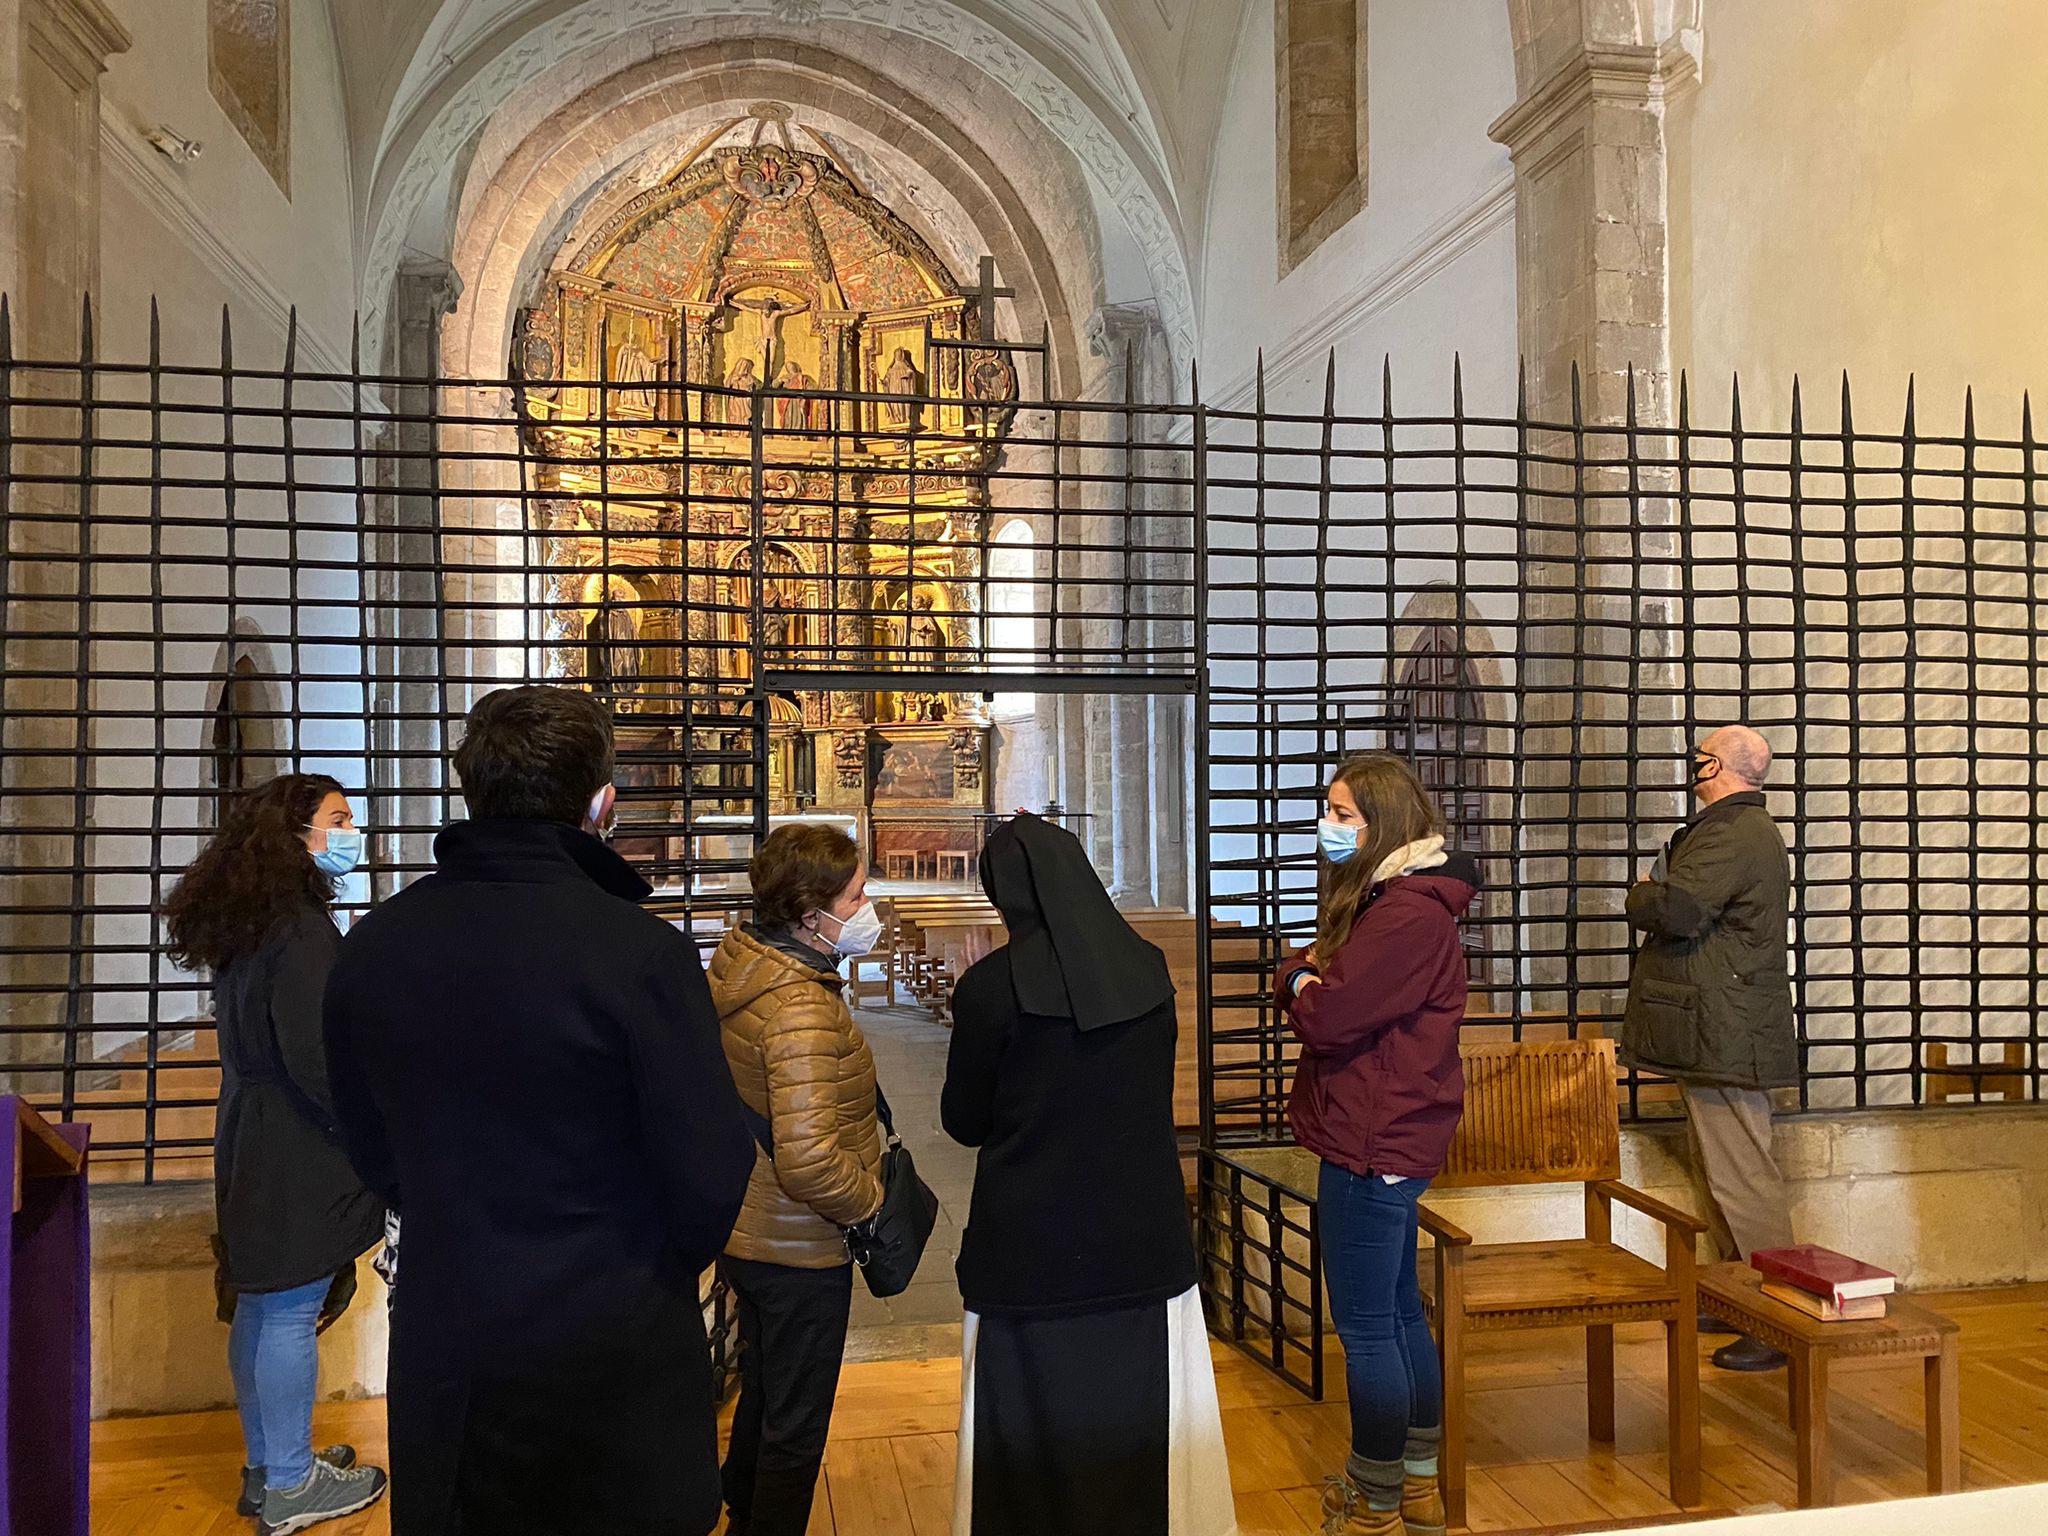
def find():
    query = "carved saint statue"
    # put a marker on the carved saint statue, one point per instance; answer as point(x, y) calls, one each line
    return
point(927, 637)
point(620, 657)
point(740, 375)
point(902, 379)
point(793, 412)
point(775, 623)
point(631, 366)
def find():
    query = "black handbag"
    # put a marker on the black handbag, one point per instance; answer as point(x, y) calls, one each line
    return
point(889, 1244)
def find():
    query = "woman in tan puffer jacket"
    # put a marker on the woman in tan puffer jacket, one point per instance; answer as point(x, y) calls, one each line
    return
point(803, 1067)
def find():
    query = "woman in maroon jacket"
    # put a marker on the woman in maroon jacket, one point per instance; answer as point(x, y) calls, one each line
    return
point(1376, 1001)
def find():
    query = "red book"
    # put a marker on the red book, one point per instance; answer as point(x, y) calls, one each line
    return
point(1824, 1272)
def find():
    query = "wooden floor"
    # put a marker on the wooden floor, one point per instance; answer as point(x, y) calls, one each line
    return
point(890, 1468)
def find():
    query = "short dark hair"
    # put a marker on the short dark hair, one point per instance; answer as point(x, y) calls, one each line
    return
point(535, 752)
point(800, 868)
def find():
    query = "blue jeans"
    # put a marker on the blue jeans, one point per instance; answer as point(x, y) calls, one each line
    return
point(1390, 1363)
point(276, 1365)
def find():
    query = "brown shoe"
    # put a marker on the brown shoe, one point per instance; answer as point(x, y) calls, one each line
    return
point(1345, 1512)
point(1422, 1506)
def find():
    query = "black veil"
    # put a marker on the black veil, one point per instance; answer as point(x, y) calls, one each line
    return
point(1072, 955)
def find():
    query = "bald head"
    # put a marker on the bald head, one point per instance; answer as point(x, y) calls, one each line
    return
point(1744, 759)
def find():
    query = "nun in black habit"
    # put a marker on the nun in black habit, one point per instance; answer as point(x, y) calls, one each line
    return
point(1088, 1402)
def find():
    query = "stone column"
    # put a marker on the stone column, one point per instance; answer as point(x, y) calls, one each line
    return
point(1128, 338)
point(58, 49)
point(1586, 135)
point(1587, 140)
point(52, 53)
point(404, 621)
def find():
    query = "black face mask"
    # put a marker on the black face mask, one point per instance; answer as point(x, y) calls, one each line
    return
point(1705, 769)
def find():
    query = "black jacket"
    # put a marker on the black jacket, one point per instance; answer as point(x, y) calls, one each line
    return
point(1078, 1201)
point(527, 1063)
point(290, 1208)
point(1710, 994)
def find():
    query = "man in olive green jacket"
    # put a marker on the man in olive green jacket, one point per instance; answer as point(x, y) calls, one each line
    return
point(1710, 996)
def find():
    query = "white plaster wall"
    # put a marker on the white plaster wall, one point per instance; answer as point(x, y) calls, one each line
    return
point(167, 599)
point(1859, 187)
point(1423, 276)
point(219, 230)
point(215, 234)
point(1426, 271)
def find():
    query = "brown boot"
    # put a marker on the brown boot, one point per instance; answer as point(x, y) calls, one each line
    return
point(1345, 1512)
point(1422, 1506)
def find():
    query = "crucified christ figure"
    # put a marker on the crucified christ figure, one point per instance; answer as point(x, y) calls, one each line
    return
point(773, 310)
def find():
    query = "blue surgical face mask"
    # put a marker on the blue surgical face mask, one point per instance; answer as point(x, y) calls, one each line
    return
point(1337, 839)
point(344, 851)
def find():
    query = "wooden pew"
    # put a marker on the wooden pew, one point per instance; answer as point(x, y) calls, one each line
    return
point(938, 937)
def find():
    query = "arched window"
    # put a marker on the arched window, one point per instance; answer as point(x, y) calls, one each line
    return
point(1443, 726)
point(1012, 621)
point(1014, 602)
point(242, 745)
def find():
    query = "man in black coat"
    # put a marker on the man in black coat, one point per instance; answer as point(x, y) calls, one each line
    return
point(526, 1065)
point(1710, 998)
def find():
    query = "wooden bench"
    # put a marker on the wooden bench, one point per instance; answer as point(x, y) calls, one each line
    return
point(1999, 1079)
point(1543, 1113)
point(938, 937)
point(1734, 1293)
point(860, 986)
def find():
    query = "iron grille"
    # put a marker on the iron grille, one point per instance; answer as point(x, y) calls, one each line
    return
point(217, 570)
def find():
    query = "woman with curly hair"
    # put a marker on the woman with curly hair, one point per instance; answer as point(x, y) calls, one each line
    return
point(253, 908)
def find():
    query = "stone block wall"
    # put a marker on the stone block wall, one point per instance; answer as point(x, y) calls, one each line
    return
point(1946, 1197)
point(157, 1346)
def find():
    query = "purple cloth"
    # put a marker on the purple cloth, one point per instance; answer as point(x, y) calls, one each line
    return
point(46, 1330)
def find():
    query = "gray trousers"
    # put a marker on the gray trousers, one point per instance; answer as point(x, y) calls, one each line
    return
point(1748, 1206)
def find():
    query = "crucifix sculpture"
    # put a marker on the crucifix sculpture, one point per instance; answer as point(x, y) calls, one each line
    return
point(773, 310)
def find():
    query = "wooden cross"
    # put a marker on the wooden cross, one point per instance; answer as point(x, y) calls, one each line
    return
point(986, 295)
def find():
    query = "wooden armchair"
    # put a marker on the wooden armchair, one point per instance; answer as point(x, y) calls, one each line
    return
point(1542, 1114)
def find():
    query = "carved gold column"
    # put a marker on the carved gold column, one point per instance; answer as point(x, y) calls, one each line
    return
point(853, 634)
point(700, 322)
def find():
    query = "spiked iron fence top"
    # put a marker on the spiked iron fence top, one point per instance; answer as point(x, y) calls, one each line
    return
point(214, 572)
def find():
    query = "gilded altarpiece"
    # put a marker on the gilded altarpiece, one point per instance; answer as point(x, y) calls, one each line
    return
point(745, 296)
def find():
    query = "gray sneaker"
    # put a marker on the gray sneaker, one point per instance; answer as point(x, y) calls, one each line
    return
point(340, 1457)
point(328, 1493)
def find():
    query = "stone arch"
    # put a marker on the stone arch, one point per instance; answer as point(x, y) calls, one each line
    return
point(517, 208)
point(523, 199)
point(443, 129)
